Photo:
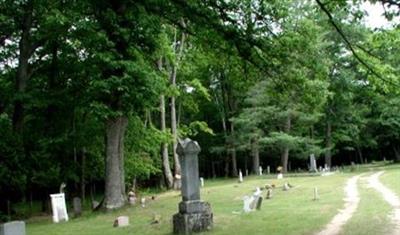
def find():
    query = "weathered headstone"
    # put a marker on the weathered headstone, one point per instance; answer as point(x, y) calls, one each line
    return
point(58, 207)
point(13, 228)
point(268, 170)
point(202, 181)
point(286, 186)
point(77, 205)
point(132, 198)
point(256, 202)
point(313, 163)
point(279, 176)
point(246, 203)
point(247, 172)
point(121, 221)
point(260, 170)
point(240, 176)
point(194, 215)
point(269, 193)
point(95, 204)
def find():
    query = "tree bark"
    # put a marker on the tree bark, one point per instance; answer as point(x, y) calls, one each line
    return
point(256, 156)
point(396, 153)
point(164, 148)
point(285, 152)
point(25, 51)
point(177, 165)
point(233, 154)
point(360, 156)
point(328, 144)
point(115, 178)
point(83, 181)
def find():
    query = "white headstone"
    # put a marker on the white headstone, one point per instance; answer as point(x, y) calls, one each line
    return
point(58, 207)
point(246, 203)
point(240, 176)
point(279, 176)
point(202, 181)
point(268, 170)
point(257, 192)
point(121, 221)
point(260, 170)
point(247, 172)
point(286, 186)
point(143, 202)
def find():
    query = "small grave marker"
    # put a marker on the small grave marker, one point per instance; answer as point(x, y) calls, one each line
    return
point(316, 196)
point(13, 228)
point(121, 221)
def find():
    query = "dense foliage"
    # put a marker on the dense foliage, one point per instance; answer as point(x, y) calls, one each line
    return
point(97, 93)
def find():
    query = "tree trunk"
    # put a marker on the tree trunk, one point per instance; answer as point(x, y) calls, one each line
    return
point(396, 153)
point(115, 179)
point(83, 181)
point(177, 165)
point(360, 156)
point(285, 152)
point(164, 148)
point(328, 145)
point(233, 154)
point(256, 156)
point(25, 51)
point(213, 172)
point(226, 166)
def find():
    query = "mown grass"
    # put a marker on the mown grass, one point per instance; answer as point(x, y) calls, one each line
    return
point(391, 178)
point(289, 212)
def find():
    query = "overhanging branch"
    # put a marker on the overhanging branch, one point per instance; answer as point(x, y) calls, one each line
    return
point(351, 47)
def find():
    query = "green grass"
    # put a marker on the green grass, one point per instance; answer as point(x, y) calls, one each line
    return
point(391, 178)
point(289, 212)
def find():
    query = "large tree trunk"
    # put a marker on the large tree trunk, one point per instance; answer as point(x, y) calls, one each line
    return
point(115, 179)
point(25, 51)
point(164, 148)
point(328, 145)
point(285, 152)
point(255, 152)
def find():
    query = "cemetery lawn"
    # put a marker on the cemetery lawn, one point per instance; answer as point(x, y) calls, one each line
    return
point(289, 212)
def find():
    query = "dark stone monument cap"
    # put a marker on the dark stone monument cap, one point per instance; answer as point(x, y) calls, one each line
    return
point(188, 146)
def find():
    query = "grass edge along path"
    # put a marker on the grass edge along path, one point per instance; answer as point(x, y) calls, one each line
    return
point(351, 203)
point(390, 197)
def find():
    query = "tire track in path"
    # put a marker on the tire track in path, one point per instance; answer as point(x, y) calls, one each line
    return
point(352, 200)
point(390, 197)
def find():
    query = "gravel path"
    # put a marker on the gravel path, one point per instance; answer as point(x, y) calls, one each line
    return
point(352, 199)
point(390, 197)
